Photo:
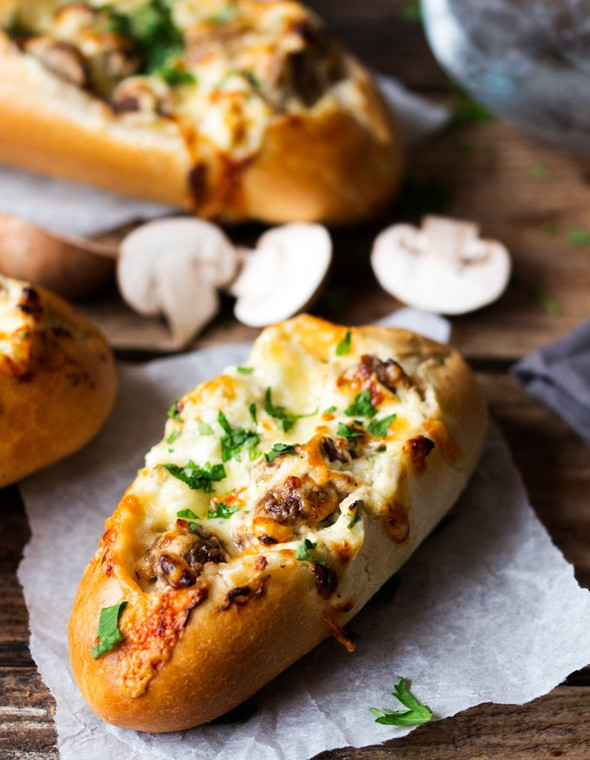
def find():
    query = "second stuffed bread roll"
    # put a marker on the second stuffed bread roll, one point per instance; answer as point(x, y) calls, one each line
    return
point(247, 109)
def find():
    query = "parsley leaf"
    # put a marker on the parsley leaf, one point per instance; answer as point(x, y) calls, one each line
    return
point(197, 477)
point(251, 78)
point(329, 410)
point(173, 436)
point(176, 76)
point(252, 410)
point(415, 715)
point(412, 11)
point(235, 440)
point(349, 431)
point(302, 553)
point(354, 513)
point(187, 514)
point(343, 347)
point(203, 428)
point(578, 236)
point(278, 449)
point(224, 16)
point(362, 406)
point(538, 170)
point(223, 511)
point(287, 419)
point(108, 634)
point(380, 428)
point(468, 111)
point(245, 370)
point(155, 37)
point(174, 412)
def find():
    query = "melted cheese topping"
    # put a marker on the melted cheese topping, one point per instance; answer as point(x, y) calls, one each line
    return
point(239, 63)
point(297, 392)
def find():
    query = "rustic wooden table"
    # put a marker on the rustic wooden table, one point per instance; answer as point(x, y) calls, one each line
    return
point(538, 203)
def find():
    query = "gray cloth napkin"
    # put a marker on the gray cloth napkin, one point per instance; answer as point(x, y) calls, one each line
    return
point(558, 375)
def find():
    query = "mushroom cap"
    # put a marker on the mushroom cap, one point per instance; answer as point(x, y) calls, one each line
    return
point(283, 274)
point(75, 269)
point(443, 268)
point(173, 267)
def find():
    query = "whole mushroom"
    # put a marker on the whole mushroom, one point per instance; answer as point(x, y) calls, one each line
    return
point(444, 267)
point(174, 267)
point(73, 268)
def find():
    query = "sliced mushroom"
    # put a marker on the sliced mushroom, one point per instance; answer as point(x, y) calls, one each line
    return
point(141, 95)
point(283, 274)
point(444, 267)
point(61, 58)
point(174, 267)
point(73, 268)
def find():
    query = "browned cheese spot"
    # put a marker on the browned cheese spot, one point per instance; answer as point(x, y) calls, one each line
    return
point(152, 632)
point(326, 580)
point(397, 522)
point(418, 449)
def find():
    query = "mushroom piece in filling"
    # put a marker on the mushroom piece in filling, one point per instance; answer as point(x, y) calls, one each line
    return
point(178, 556)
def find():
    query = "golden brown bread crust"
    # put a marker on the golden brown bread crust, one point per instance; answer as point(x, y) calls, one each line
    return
point(57, 398)
point(324, 164)
point(210, 648)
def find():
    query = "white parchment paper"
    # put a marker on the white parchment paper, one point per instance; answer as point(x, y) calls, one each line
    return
point(80, 211)
point(487, 610)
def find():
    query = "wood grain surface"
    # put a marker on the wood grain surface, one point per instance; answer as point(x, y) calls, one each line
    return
point(483, 172)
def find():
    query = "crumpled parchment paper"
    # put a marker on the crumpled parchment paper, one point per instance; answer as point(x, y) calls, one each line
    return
point(80, 211)
point(487, 610)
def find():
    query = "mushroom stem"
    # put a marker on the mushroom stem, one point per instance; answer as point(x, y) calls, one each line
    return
point(448, 239)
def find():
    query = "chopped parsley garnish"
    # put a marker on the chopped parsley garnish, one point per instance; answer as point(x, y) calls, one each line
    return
point(538, 170)
point(578, 236)
point(174, 412)
point(203, 428)
point(235, 440)
point(224, 16)
point(380, 428)
point(415, 715)
point(223, 511)
point(251, 78)
point(287, 419)
point(108, 634)
point(412, 11)
point(187, 514)
point(354, 514)
point(362, 406)
point(252, 410)
point(153, 33)
point(24, 334)
point(330, 410)
point(278, 449)
point(343, 347)
point(176, 76)
point(173, 436)
point(197, 477)
point(349, 431)
point(245, 370)
point(468, 111)
point(302, 553)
